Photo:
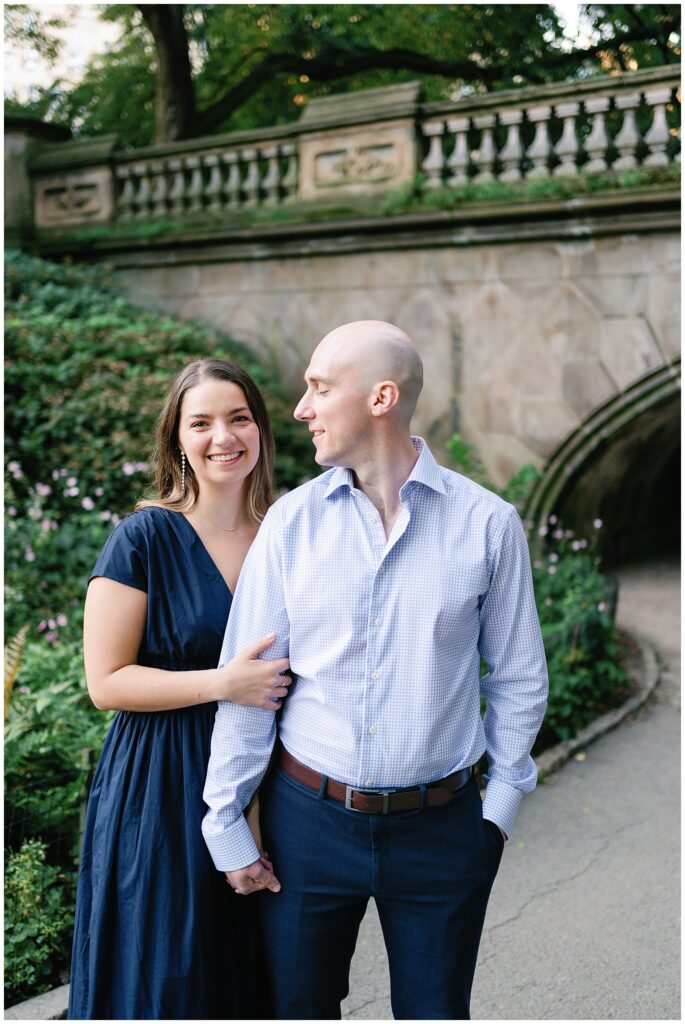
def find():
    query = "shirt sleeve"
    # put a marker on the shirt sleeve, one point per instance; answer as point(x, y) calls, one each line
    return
point(124, 558)
point(515, 686)
point(243, 737)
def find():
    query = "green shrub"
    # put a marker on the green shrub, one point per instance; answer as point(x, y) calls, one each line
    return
point(38, 922)
point(85, 376)
point(575, 604)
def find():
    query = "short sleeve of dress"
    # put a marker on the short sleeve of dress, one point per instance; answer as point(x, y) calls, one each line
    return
point(125, 556)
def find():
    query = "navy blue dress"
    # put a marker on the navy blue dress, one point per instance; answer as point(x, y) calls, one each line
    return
point(159, 933)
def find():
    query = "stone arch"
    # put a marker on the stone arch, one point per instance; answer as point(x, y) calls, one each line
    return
point(616, 455)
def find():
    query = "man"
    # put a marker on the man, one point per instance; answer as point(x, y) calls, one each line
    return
point(386, 580)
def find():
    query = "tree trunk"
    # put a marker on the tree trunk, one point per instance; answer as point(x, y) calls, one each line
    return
point(175, 95)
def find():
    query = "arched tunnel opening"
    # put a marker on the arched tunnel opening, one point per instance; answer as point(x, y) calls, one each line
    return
point(632, 483)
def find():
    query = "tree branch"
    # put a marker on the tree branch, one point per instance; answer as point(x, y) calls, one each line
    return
point(328, 67)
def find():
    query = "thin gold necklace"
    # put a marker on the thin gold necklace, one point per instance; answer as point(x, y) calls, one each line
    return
point(225, 529)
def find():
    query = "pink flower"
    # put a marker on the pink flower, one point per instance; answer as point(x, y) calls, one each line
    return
point(43, 490)
point(42, 625)
point(51, 637)
point(61, 619)
point(99, 491)
point(29, 555)
point(552, 520)
point(88, 504)
point(106, 515)
point(55, 474)
point(52, 624)
point(598, 524)
point(542, 531)
point(558, 534)
point(576, 545)
point(46, 525)
point(72, 481)
point(11, 511)
point(128, 469)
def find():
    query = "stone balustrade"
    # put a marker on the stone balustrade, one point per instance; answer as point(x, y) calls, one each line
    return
point(366, 143)
point(604, 123)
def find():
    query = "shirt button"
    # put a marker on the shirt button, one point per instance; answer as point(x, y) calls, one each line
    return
point(378, 621)
point(381, 568)
point(369, 782)
point(372, 729)
point(374, 675)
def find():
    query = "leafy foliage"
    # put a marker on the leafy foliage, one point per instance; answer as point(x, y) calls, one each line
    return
point(38, 920)
point(258, 64)
point(85, 376)
point(575, 604)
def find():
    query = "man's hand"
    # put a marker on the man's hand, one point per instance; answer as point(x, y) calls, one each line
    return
point(253, 878)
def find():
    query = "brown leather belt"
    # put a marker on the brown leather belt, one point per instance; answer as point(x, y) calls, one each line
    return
point(376, 801)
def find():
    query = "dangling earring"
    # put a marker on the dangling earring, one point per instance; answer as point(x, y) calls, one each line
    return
point(183, 472)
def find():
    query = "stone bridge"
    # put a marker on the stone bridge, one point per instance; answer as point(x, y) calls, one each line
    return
point(535, 261)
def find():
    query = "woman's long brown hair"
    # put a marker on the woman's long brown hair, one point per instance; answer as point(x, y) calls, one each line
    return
point(167, 457)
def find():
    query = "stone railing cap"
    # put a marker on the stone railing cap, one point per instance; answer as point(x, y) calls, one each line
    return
point(538, 95)
point(361, 106)
point(77, 153)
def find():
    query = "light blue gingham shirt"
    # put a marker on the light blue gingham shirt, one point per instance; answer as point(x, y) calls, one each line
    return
point(385, 637)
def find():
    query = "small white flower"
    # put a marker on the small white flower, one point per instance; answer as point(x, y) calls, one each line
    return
point(551, 569)
point(552, 520)
point(602, 607)
point(88, 504)
point(598, 524)
point(548, 601)
point(72, 481)
point(542, 532)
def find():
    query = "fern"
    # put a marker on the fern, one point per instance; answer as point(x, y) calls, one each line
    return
point(13, 651)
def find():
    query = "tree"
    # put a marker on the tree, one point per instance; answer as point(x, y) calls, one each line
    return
point(195, 69)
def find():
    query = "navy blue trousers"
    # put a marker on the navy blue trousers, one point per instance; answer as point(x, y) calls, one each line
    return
point(430, 872)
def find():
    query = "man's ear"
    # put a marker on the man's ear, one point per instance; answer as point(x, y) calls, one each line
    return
point(385, 397)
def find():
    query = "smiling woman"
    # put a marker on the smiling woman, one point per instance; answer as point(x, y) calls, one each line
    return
point(159, 934)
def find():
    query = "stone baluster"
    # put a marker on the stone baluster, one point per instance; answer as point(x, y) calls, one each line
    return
point(250, 185)
point(141, 199)
point(196, 186)
point(270, 182)
point(539, 149)
point(486, 150)
point(289, 179)
point(159, 189)
point(434, 163)
point(177, 192)
point(214, 185)
point(125, 200)
point(628, 138)
point(231, 187)
point(512, 151)
point(460, 157)
point(658, 135)
point(567, 147)
point(597, 142)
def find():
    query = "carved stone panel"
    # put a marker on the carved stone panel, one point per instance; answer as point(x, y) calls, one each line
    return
point(77, 198)
point(357, 159)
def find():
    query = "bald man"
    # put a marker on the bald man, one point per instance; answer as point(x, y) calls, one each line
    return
point(386, 580)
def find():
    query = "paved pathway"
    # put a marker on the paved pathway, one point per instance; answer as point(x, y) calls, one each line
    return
point(583, 922)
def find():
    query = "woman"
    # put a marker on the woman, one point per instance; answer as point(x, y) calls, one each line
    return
point(159, 934)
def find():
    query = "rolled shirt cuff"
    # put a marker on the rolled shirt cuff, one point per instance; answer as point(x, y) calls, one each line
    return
point(501, 804)
point(233, 847)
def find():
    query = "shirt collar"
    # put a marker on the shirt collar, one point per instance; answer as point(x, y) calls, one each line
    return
point(425, 471)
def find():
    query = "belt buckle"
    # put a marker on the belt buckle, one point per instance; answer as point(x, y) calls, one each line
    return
point(385, 793)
